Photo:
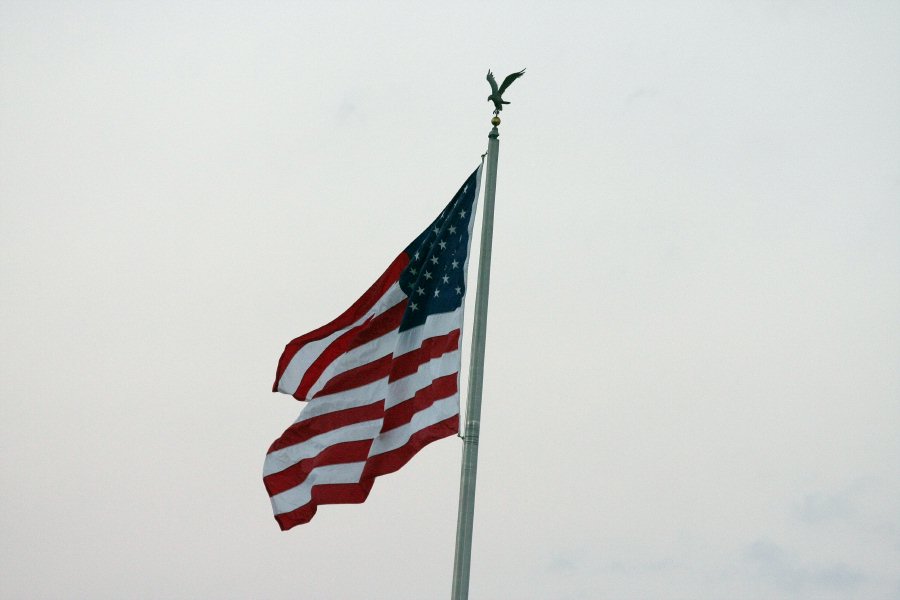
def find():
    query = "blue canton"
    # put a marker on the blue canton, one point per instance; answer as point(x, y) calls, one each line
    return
point(435, 279)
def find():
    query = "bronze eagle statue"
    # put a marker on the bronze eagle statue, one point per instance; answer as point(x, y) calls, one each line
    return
point(497, 93)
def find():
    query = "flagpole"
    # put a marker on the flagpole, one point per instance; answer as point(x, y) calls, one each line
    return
point(463, 555)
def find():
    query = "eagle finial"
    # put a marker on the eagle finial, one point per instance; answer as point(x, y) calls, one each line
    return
point(497, 93)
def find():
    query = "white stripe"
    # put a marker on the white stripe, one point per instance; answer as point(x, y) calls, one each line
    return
point(296, 497)
point(434, 325)
point(394, 393)
point(398, 391)
point(279, 460)
point(361, 355)
point(299, 495)
point(405, 388)
point(304, 358)
point(352, 398)
point(395, 438)
point(391, 342)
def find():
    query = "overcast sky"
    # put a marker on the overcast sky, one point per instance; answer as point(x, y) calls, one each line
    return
point(692, 386)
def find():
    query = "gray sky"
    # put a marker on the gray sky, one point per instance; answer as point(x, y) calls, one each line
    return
point(693, 374)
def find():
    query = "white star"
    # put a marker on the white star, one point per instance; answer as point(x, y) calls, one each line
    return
point(454, 264)
point(427, 275)
point(462, 214)
point(443, 245)
point(446, 278)
point(413, 306)
point(420, 291)
point(434, 260)
point(413, 271)
point(437, 293)
point(416, 255)
point(452, 231)
point(436, 230)
point(465, 188)
point(458, 291)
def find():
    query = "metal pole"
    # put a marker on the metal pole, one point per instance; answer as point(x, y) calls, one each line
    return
point(463, 555)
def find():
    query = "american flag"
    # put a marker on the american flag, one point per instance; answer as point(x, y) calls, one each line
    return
point(381, 380)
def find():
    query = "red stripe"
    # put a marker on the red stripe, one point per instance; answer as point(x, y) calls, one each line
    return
point(345, 452)
point(358, 377)
point(355, 493)
point(407, 364)
point(397, 368)
point(303, 430)
point(401, 414)
point(388, 462)
point(351, 315)
point(333, 493)
point(372, 329)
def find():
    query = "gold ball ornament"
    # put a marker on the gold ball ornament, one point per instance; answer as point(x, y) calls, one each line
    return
point(495, 121)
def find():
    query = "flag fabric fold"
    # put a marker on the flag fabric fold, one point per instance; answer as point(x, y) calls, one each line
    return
point(381, 381)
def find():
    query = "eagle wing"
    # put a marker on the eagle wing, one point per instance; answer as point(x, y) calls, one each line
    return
point(509, 79)
point(493, 82)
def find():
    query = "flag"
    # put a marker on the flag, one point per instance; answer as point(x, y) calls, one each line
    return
point(381, 381)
